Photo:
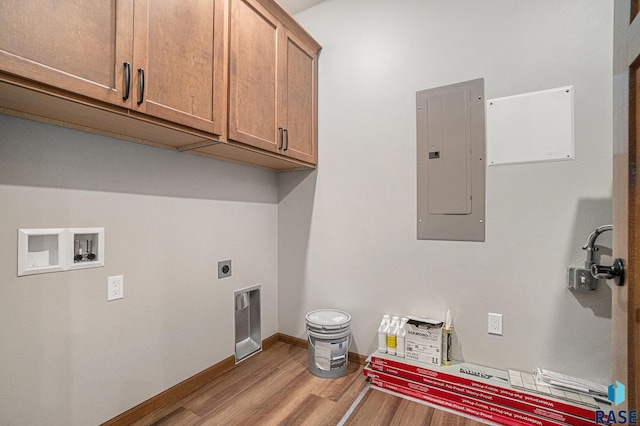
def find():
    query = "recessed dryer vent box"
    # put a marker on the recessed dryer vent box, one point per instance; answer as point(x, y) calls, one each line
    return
point(247, 322)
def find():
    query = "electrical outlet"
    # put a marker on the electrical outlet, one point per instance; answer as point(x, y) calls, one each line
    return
point(115, 287)
point(224, 269)
point(495, 324)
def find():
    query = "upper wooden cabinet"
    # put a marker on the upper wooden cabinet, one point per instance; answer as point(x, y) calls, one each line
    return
point(160, 58)
point(232, 79)
point(178, 66)
point(272, 82)
point(299, 99)
point(79, 46)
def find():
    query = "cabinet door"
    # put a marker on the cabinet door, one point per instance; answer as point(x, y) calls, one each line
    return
point(178, 52)
point(299, 98)
point(253, 75)
point(76, 45)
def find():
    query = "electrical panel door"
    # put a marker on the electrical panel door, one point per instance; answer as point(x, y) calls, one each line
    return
point(451, 162)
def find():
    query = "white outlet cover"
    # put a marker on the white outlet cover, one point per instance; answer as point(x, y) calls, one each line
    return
point(494, 325)
point(115, 287)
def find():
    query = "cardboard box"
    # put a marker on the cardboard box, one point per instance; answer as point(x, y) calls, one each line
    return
point(475, 394)
point(491, 383)
point(423, 341)
point(482, 409)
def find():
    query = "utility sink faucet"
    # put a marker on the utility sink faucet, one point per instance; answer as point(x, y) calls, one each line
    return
point(587, 278)
point(590, 245)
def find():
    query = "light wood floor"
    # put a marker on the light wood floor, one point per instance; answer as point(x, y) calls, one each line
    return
point(275, 387)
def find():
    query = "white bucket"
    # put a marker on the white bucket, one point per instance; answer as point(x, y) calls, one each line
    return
point(329, 335)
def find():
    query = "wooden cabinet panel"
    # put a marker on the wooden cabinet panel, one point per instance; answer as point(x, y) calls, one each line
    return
point(234, 79)
point(273, 84)
point(253, 76)
point(75, 45)
point(81, 46)
point(180, 46)
point(300, 100)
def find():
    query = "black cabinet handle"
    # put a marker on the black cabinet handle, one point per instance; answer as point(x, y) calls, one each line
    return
point(127, 80)
point(141, 97)
point(280, 138)
point(286, 139)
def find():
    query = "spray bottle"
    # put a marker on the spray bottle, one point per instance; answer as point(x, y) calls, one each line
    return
point(382, 334)
point(400, 340)
point(392, 335)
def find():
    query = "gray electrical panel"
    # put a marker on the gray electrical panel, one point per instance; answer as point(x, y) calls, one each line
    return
point(451, 162)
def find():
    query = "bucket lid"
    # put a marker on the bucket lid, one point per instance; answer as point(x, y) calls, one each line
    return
point(328, 319)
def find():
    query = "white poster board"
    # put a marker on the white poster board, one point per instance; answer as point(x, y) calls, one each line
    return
point(531, 127)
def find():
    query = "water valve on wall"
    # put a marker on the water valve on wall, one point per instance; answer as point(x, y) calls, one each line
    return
point(87, 255)
point(613, 272)
point(586, 279)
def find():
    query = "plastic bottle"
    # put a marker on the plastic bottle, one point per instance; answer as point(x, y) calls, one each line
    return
point(382, 334)
point(446, 340)
point(392, 335)
point(402, 332)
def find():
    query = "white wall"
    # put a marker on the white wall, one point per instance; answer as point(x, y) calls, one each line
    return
point(347, 234)
point(69, 357)
point(342, 236)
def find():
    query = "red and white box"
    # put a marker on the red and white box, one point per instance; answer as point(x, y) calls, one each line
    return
point(487, 384)
point(456, 401)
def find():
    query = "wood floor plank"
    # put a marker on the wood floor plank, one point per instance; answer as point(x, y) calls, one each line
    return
point(159, 414)
point(299, 400)
point(275, 387)
point(225, 385)
point(412, 413)
point(446, 418)
point(224, 392)
point(289, 398)
point(382, 408)
point(236, 382)
point(313, 411)
point(347, 399)
point(335, 389)
point(239, 406)
point(375, 409)
point(300, 409)
point(295, 401)
point(179, 417)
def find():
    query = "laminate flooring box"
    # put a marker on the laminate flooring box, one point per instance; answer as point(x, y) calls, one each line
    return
point(491, 385)
point(459, 402)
